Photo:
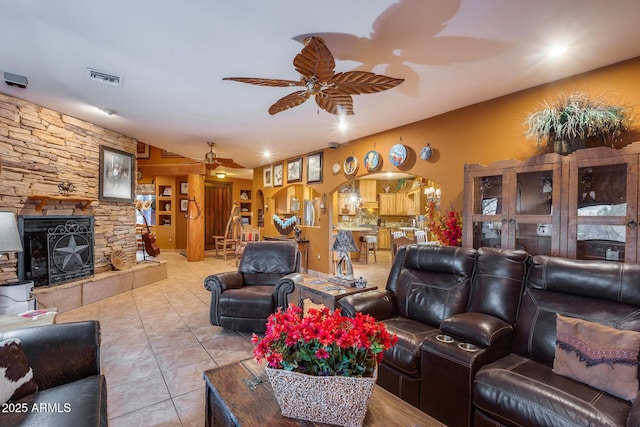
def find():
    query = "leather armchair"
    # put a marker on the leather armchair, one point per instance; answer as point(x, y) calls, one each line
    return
point(65, 359)
point(243, 300)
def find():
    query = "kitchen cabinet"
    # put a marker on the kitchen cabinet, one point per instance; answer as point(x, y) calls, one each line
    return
point(583, 205)
point(368, 193)
point(387, 203)
point(383, 238)
point(414, 202)
point(401, 203)
point(347, 203)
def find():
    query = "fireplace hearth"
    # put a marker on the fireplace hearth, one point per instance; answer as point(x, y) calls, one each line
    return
point(56, 249)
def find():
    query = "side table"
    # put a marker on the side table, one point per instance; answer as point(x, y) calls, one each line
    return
point(321, 291)
point(9, 322)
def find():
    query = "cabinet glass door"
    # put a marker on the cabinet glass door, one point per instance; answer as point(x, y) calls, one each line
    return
point(531, 218)
point(487, 209)
point(603, 201)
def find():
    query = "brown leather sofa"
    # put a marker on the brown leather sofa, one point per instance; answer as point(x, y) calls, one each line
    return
point(243, 300)
point(426, 285)
point(509, 324)
point(65, 359)
point(521, 389)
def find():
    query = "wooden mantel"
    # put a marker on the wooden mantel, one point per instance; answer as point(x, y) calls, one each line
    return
point(43, 199)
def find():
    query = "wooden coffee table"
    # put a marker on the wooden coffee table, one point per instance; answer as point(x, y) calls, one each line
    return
point(321, 291)
point(239, 394)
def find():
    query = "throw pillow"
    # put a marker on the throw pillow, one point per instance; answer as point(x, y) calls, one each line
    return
point(600, 356)
point(16, 377)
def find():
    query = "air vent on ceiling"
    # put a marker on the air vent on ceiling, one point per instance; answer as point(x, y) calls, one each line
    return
point(110, 79)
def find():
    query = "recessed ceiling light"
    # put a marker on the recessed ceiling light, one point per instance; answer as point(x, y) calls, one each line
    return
point(266, 154)
point(557, 50)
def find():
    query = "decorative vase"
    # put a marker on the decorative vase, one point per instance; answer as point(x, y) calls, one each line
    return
point(335, 400)
point(568, 146)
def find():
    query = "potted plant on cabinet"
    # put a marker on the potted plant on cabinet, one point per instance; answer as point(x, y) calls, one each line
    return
point(564, 124)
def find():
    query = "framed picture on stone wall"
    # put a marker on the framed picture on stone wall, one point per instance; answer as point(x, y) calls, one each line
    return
point(117, 172)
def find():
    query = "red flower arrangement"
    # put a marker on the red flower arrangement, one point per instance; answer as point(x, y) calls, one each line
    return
point(323, 342)
point(446, 228)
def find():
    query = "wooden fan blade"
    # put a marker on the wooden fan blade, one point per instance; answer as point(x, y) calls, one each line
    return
point(265, 82)
point(335, 102)
point(315, 60)
point(359, 82)
point(292, 100)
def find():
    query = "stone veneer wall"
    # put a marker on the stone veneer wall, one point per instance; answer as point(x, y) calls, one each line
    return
point(39, 149)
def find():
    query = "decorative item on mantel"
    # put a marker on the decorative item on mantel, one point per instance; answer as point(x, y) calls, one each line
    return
point(566, 123)
point(66, 188)
point(285, 226)
point(328, 373)
point(344, 244)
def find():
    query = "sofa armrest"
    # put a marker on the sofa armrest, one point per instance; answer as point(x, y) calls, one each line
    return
point(285, 287)
point(634, 415)
point(61, 353)
point(222, 281)
point(379, 304)
point(476, 328)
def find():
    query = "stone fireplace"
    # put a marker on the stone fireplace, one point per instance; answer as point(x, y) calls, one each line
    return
point(56, 249)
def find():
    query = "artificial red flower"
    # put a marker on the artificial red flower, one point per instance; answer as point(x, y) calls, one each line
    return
point(323, 343)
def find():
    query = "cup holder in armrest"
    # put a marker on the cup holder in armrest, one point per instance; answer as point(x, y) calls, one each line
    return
point(468, 347)
point(444, 338)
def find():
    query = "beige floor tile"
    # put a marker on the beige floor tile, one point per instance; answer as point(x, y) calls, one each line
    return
point(157, 342)
point(190, 407)
point(161, 414)
point(187, 378)
point(132, 396)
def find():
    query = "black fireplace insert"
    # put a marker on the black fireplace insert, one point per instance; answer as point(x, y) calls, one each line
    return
point(56, 249)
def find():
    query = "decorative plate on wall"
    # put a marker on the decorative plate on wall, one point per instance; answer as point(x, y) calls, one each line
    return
point(336, 167)
point(426, 152)
point(350, 165)
point(371, 160)
point(398, 154)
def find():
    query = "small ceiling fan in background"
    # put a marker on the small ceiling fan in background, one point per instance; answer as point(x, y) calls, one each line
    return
point(332, 91)
point(213, 161)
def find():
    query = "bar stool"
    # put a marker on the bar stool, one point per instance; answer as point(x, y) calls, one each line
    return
point(368, 247)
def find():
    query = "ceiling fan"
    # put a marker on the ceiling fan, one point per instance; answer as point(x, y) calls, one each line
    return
point(332, 91)
point(213, 161)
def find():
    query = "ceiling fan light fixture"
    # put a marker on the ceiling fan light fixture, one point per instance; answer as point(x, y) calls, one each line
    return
point(221, 175)
point(210, 156)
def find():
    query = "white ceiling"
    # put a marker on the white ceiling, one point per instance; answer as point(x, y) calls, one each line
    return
point(173, 55)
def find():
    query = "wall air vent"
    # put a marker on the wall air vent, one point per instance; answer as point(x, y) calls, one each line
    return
point(102, 77)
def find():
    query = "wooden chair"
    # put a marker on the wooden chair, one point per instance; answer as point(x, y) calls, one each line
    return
point(247, 235)
point(229, 242)
point(420, 236)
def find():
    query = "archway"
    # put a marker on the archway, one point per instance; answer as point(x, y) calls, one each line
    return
point(380, 204)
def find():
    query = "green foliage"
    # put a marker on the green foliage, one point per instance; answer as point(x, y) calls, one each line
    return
point(576, 116)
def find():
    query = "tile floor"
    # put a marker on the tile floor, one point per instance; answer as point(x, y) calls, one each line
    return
point(157, 341)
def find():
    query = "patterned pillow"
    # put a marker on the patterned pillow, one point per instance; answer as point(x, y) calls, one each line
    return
point(600, 356)
point(16, 377)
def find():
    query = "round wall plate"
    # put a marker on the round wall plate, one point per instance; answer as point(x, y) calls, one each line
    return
point(426, 152)
point(398, 154)
point(371, 160)
point(336, 167)
point(350, 165)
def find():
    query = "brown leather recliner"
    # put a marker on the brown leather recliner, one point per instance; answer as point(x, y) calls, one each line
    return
point(426, 285)
point(521, 389)
point(243, 300)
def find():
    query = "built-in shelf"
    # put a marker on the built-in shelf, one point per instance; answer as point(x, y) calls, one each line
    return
point(43, 199)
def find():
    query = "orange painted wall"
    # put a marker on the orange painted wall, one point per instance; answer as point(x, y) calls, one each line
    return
point(481, 133)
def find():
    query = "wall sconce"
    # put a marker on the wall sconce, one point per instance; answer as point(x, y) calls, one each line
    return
point(323, 203)
point(221, 175)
